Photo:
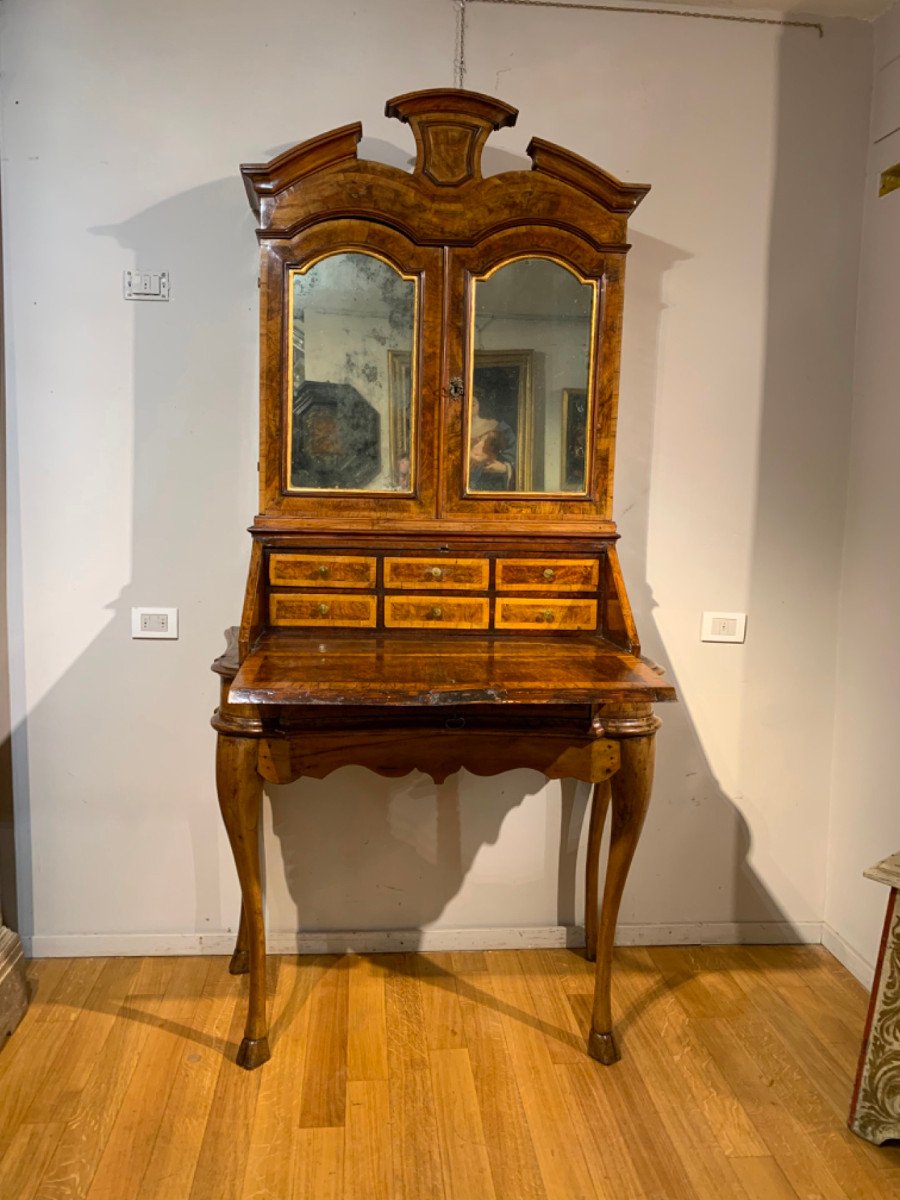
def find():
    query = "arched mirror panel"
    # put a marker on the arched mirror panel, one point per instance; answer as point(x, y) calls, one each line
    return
point(530, 371)
point(352, 376)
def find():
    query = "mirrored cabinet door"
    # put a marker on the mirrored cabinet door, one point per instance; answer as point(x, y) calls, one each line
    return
point(352, 376)
point(528, 411)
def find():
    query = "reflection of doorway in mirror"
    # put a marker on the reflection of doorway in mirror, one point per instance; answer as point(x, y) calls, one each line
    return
point(501, 422)
point(574, 440)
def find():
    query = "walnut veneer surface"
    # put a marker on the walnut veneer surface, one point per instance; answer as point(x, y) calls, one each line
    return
point(428, 621)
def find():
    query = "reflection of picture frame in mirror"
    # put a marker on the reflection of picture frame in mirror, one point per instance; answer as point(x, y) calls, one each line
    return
point(503, 383)
point(400, 406)
point(574, 440)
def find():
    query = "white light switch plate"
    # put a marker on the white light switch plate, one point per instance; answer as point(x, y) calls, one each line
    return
point(154, 622)
point(723, 627)
point(145, 285)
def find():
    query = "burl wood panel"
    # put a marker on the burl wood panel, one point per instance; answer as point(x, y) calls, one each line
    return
point(515, 613)
point(556, 574)
point(438, 572)
point(321, 570)
point(322, 609)
point(424, 612)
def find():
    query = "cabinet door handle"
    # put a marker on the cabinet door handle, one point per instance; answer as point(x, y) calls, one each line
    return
point(436, 573)
point(322, 610)
point(549, 574)
point(436, 613)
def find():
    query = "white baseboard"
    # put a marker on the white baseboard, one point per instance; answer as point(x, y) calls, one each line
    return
point(848, 957)
point(377, 941)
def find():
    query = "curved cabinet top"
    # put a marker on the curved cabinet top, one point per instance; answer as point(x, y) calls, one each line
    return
point(323, 178)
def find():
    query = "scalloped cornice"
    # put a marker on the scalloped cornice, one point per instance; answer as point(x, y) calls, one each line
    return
point(580, 173)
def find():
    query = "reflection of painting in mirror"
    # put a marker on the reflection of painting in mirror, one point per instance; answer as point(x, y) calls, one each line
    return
point(501, 421)
point(574, 442)
point(350, 414)
point(399, 391)
point(522, 434)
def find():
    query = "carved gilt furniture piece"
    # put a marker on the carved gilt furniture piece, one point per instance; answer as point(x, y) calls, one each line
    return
point(433, 580)
point(875, 1107)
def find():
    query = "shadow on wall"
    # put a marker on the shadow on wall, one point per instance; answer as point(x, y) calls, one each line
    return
point(358, 851)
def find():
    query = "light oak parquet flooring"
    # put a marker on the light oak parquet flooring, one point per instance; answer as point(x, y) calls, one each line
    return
point(457, 1076)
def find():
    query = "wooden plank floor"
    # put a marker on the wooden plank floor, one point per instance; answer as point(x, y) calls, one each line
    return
point(458, 1076)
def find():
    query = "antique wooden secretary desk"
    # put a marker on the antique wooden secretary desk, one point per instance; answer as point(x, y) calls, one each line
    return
point(433, 580)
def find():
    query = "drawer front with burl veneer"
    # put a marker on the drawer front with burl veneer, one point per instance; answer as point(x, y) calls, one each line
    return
point(435, 612)
point(464, 574)
point(553, 574)
point(321, 570)
point(515, 613)
point(322, 609)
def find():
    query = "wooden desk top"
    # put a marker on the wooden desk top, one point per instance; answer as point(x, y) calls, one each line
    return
point(302, 668)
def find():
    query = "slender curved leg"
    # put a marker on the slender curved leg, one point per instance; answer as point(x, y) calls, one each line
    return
point(599, 809)
point(240, 960)
point(240, 795)
point(630, 788)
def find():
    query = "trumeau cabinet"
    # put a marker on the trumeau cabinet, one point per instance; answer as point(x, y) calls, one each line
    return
point(433, 580)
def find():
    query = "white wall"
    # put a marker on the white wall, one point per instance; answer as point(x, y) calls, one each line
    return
point(132, 454)
point(865, 826)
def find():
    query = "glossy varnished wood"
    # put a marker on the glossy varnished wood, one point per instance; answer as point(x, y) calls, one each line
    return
point(432, 628)
point(444, 1076)
point(294, 668)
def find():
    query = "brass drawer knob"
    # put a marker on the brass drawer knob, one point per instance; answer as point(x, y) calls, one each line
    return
point(322, 610)
point(436, 573)
point(436, 613)
point(547, 615)
point(323, 571)
point(549, 574)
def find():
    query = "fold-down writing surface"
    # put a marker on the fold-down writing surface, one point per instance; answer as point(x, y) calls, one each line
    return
point(301, 668)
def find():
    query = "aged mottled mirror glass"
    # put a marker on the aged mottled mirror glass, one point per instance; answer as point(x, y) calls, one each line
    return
point(352, 376)
point(529, 379)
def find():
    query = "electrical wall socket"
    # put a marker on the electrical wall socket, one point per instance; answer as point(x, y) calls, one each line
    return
point(154, 622)
point(723, 627)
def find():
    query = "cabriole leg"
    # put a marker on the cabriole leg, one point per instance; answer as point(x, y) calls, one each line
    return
point(599, 809)
point(630, 787)
point(240, 959)
point(240, 795)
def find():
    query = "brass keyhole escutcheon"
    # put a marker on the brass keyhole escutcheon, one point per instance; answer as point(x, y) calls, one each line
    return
point(322, 610)
point(436, 613)
point(323, 571)
point(457, 387)
point(549, 574)
point(436, 573)
point(546, 615)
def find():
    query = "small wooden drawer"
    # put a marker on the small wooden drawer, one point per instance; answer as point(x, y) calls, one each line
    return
point(433, 612)
point(321, 570)
point(466, 574)
point(545, 614)
point(322, 609)
point(553, 574)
